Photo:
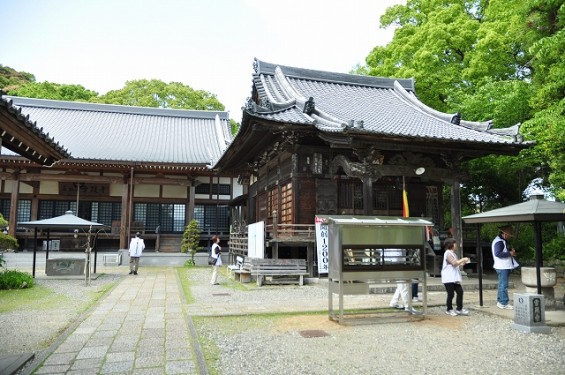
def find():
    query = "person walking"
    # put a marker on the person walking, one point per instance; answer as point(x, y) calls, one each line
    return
point(504, 263)
point(451, 277)
point(136, 247)
point(216, 252)
point(399, 256)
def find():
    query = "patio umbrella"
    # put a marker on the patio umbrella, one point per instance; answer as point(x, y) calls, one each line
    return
point(66, 221)
point(535, 210)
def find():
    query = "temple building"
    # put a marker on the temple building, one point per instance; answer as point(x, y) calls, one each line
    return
point(314, 142)
point(130, 168)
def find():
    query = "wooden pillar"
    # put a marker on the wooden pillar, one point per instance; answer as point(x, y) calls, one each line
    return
point(367, 195)
point(14, 205)
point(124, 217)
point(456, 215)
point(191, 198)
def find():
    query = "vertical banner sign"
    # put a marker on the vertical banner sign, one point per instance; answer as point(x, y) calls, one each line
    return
point(322, 245)
point(405, 209)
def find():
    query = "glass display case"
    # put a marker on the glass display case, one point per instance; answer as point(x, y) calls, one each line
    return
point(366, 250)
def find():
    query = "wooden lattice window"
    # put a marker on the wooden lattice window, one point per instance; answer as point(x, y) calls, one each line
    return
point(273, 201)
point(286, 203)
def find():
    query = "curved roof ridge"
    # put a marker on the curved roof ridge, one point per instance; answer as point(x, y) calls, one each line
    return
point(481, 126)
point(325, 76)
point(287, 88)
point(114, 108)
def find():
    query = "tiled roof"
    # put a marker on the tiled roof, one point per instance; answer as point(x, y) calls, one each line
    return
point(113, 133)
point(346, 103)
point(21, 135)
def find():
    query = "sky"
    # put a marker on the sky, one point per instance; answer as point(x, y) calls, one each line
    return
point(205, 44)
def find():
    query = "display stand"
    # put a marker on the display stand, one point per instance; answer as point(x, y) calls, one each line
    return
point(366, 250)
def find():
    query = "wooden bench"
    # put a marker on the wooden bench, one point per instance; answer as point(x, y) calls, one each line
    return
point(279, 271)
point(235, 267)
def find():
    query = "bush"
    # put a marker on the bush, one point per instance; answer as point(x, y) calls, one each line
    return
point(190, 241)
point(8, 242)
point(555, 249)
point(11, 279)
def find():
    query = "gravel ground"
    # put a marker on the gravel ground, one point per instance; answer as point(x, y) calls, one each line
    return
point(276, 344)
point(35, 327)
point(439, 344)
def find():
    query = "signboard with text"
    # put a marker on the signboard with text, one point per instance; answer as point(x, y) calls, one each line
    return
point(322, 245)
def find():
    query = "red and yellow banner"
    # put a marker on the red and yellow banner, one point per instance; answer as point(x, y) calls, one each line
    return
point(405, 209)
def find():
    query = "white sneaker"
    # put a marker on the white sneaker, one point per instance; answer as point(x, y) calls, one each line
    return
point(416, 299)
point(462, 312)
point(507, 306)
point(396, 306)
point(411, 310)
point(451, 312)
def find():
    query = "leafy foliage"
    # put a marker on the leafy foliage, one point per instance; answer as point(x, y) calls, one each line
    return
point(8, 242)
point(156, 93)
point(12, 279)
point(55, 91)
point(10, 79)
point(191, 240)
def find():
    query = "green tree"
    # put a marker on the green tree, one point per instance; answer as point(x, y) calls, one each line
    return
point(55, 91)
point(546, 19)
point(156, 93)
point(11, 79)
point(191, 240)
point(472, 57)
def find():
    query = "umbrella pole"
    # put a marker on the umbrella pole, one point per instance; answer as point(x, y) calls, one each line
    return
point(539, 256)
point(34, 251)
point(480, 265)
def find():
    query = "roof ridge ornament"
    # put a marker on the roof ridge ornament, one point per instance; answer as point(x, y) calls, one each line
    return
point(309, 106)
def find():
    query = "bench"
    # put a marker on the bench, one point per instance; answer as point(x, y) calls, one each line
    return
point(242, 274)
point(235, 267)
point(112, 258)
point(279, 271)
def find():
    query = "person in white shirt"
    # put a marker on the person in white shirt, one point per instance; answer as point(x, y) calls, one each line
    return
point(216, 252)
point(136, 247)
point(451, 277)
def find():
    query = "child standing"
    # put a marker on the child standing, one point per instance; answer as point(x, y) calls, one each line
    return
point(451, 278)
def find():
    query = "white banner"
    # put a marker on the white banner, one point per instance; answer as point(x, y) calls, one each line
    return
point(322, 245)
point(256, 240)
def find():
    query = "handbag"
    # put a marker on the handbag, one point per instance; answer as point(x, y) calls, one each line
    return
point(211, 260)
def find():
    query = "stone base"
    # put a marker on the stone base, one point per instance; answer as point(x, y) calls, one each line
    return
point(529, 329)
point(548, 292)
point(65, 267)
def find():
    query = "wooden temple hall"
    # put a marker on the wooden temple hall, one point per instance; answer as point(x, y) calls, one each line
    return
point(133, 169)
point(314, 142)
point(310, 143)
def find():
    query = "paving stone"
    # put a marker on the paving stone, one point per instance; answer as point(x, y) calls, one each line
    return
point(93, 352)
point(180, 367)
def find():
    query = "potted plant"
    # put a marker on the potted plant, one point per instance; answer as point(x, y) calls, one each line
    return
point(191, 241)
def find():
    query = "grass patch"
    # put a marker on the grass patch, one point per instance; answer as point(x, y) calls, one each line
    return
point(182, 273)
point(41, 297)
point(38, 298)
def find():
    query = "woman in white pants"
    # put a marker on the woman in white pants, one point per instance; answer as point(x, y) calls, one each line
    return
point(216, 252)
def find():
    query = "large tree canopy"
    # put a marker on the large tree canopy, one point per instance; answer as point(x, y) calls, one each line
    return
point(156, 93)
point(55, 91)
point(498, 60)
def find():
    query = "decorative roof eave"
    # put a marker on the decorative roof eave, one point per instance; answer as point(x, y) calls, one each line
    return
point(483, 126)
point(262, 67)
point(106, 164)
point(23, 137)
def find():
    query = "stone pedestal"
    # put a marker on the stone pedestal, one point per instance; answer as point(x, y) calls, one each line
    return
point(65, 267)
point(548, 279)
point(529, 313)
